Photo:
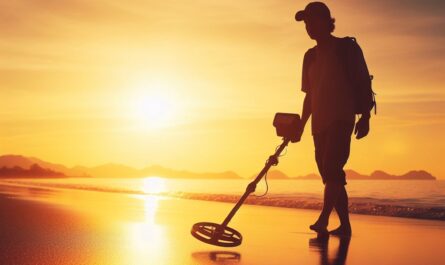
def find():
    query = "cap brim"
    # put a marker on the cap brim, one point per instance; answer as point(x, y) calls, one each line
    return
point(300, 15)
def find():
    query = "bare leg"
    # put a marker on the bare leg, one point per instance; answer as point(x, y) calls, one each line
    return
point(332, 191)
point(341, 207)
point(331, 154)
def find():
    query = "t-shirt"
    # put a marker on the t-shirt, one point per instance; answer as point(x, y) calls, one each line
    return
point(325, 78)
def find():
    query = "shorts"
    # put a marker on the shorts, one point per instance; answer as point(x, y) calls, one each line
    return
point(332, 147)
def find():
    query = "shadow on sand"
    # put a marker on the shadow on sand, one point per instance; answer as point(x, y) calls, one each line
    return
point(217, 257)
point(320, 245)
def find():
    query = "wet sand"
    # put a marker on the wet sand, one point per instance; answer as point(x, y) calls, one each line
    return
point(56, 226)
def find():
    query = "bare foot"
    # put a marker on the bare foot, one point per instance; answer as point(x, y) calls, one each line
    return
point(319, 228)
point(341, 231)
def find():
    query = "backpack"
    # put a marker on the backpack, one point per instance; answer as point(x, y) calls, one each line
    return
point(358, 75)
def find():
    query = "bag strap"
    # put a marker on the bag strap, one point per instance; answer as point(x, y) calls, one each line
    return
point(374, 102)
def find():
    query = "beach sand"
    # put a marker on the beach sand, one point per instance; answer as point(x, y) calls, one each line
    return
point(57, 226)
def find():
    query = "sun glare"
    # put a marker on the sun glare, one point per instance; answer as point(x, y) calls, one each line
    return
point(154, 111)
point(154, 185)
point(153, 104)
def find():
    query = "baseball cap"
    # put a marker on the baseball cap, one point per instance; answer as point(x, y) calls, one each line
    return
point(313, 9)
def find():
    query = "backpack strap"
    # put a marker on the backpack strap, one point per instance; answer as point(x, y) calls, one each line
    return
point(371, 77)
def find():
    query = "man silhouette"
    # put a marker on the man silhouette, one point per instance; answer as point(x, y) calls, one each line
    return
point(333, 72)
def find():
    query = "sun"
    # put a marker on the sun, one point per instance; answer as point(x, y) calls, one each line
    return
point(154, 110)
point(153, 105)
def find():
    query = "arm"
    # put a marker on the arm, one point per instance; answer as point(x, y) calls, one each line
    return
point(362, 125)
point(307, 111)
point(361, 74)
point(306, 88)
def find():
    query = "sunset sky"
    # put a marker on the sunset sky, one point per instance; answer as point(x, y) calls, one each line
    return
point(194, 85)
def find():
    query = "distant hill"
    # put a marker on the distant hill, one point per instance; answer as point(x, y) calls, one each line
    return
point(275, 174)
point(122, 171)
point(354, 175)
point(111, 170)
point(380, 175)
point(27, 162)
point(413, 174)
point(34, 171)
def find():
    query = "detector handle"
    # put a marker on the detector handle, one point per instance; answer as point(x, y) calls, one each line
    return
point(272, 161)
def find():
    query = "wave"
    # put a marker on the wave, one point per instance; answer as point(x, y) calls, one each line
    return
point(357, 205)
point(403, 207)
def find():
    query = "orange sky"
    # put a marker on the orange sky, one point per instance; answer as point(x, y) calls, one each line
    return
point(88, 82)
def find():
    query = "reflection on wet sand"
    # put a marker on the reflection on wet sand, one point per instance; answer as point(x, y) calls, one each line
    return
point(320, 245)
point(146, 239)
point(21, 191)
point(217, 257)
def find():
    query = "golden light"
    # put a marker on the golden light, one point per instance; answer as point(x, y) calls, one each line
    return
point(154, 110)
point(152, 103)
point(146, 239)
point(154, 185)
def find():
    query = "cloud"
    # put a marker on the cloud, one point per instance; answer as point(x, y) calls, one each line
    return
point(413, 7)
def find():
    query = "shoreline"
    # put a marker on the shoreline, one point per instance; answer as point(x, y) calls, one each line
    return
point(357, 205)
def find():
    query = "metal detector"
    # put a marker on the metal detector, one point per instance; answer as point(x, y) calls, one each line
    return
point(288, 126)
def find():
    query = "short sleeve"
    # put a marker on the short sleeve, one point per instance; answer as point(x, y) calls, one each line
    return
point(305, 84)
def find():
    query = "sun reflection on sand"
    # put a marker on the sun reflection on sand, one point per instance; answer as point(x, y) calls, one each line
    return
point(147, 239)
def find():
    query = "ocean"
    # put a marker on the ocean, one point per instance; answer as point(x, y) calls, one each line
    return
point(424, 199)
